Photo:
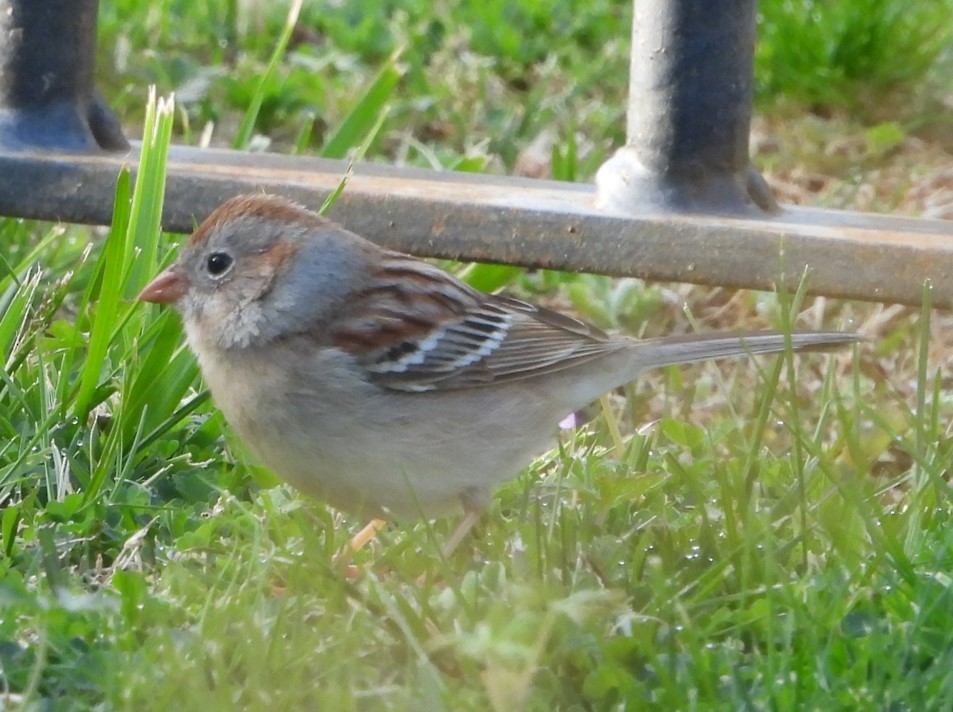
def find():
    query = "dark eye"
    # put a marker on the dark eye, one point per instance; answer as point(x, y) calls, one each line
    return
point(217, 263)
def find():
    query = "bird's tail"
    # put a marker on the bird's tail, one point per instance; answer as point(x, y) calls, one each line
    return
point(669, 350)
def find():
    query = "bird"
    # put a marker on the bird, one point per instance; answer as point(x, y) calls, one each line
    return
point(382, 384)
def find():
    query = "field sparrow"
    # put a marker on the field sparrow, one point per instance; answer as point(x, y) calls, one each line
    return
point(380, 383)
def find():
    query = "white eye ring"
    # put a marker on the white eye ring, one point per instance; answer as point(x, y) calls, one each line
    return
point(218, 263)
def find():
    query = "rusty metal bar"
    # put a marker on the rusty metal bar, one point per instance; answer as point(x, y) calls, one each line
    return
point(689, 112)
point(520, 221)
point(47, 50)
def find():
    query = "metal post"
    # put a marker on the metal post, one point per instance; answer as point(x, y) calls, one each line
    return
point(47, 52)
point(689, 112)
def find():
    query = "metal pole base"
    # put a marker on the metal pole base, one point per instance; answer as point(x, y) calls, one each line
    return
point(47, 101)
point(624, 184)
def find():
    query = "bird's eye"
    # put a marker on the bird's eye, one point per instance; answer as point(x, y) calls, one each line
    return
point(218, 263)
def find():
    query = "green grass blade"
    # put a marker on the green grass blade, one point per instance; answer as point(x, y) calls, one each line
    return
point(921, 476)
point(106, 291)
point(358, 155)
point(145, 218)
point(361, 120)
point(15, 304)
point(247, 127)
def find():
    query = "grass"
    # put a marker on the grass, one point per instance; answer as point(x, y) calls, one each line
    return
point(760, 534)
point(486, 79)
point(847, 54)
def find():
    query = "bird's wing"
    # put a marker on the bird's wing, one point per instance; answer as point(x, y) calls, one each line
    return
point(424, 330)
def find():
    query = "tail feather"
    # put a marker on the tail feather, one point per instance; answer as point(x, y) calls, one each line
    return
point(670, 350)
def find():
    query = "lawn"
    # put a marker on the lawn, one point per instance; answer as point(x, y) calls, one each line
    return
point(758, 534)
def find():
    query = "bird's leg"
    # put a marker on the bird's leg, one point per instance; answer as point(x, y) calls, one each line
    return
point(475, 502)
point(473, 508)
point(470, 518)
point(358, 542)
point(363, 537)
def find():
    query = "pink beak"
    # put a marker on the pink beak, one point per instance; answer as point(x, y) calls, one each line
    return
point(168, 288)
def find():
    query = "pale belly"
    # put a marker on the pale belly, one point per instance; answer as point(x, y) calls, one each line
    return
point(372, 453)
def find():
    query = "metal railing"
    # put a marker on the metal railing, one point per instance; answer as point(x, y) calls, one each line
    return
point(680, 201)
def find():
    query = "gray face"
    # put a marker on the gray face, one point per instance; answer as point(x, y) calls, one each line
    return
point(230, 272)
point(255, 278)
